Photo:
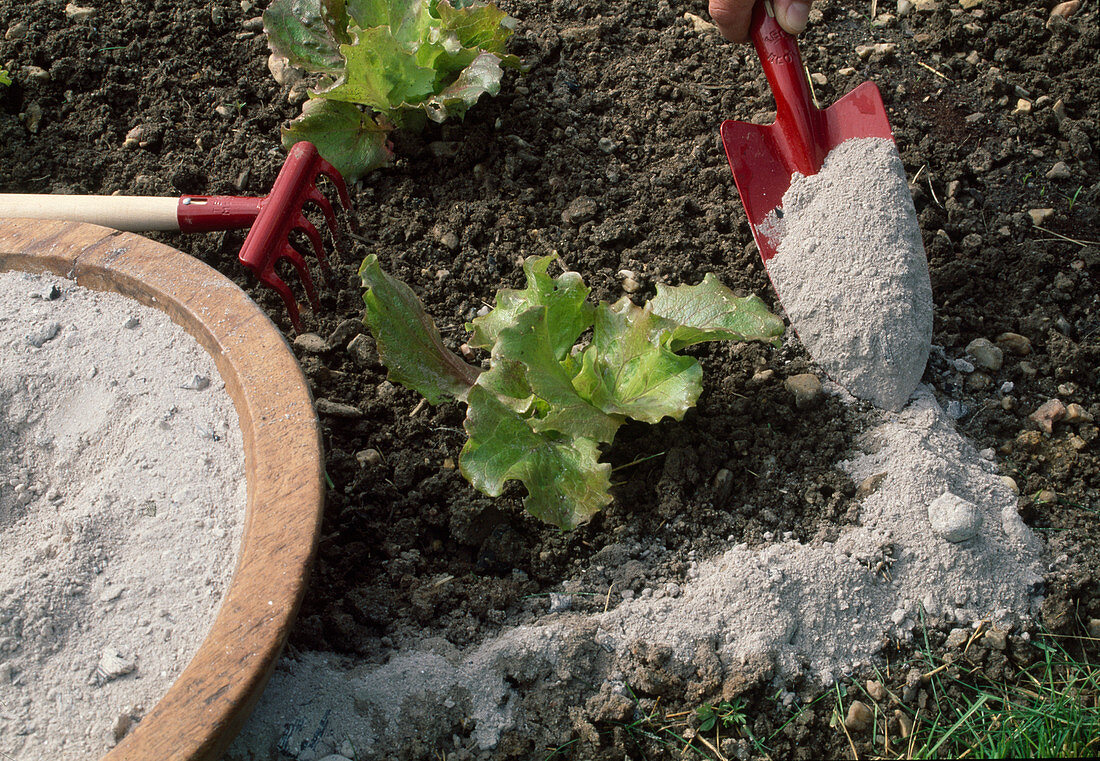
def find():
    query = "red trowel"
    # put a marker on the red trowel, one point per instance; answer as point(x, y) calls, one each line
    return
point(765, 158)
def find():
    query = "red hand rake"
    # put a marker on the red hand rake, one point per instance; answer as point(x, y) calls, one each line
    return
point(272, 219)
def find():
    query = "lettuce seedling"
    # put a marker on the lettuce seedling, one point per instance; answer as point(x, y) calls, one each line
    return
point(4, 78)
point(383, 64)
point(549, 400)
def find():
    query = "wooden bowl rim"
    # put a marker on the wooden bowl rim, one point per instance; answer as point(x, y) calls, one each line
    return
point(208, 703)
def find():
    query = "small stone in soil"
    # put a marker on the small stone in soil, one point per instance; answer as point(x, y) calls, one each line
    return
point(985, 354)
point(859, 717)
point(131, 323)
point(311, 343)
point(876, 690)
point(1048, 414)
point(1014, 343)
point(806, 389)
point(338, 410)
point(953, 518)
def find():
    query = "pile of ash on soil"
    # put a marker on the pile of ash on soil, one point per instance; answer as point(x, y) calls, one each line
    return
point(938, 539)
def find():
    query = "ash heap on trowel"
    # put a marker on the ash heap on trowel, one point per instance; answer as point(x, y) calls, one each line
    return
point(851, 271)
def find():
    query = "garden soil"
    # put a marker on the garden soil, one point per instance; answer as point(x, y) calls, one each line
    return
point(607, 152)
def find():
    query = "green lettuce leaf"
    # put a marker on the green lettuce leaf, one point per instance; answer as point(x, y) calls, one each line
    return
point(629, 369)
point(304, 32)
point(409, 343)
point(347, 137)
point(527, 341)
point(566, 483)
point(568, 314)
point(711, 312)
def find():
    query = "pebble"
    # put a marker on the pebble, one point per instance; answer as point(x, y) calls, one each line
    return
point(369, 457)
point(869, 485)
point(963, 366)
point(630, 281)
point(223, 111)
point(859, 717)
point(1046, 496)
point(904, 7)
point(78, 12)
point(957, 638)
point(254, 24)
point(1059, 172)
point(1048, 414)
point(580, 210)
point(1014, 343)
point(1023, 106)
point(1093, 628)
point(819, 79)
point(1066, 9)
point(807, 391)
point(846, 71)
point(362, 348)
point(310, 343)
point(995, 639)
point(876, 690)
point(111, 666)
point(131, 323)
point(560, 603)
point(905, 724)
point(197, 383)
point(926, 6)
point(953, 518)
point(282, 72)
point(338, 409)
point(700, 24)
point(1040, 216)
point(1075, 413)
point(16, 31)
point(985, 354)
point(40, 337)
point(1010, 482)
point(345, 331)
point(36, 74)
point(32, 117)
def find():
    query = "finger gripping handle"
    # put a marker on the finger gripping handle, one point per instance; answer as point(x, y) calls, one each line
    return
point(800, 122)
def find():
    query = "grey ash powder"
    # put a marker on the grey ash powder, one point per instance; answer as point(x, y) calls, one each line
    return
point(851, 272)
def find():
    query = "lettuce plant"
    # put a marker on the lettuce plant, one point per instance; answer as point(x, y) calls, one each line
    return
point(383, 64)
point(549, 400)
point(5, 79)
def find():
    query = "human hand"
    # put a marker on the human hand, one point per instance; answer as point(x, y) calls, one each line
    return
point(732, 16)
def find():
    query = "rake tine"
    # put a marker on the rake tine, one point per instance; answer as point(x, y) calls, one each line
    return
point(302, 224)
point(317, 197)
point(273, 281)
point(328, 170)
point(299, 263)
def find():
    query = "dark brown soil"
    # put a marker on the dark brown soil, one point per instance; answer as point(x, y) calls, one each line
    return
point(622, 104)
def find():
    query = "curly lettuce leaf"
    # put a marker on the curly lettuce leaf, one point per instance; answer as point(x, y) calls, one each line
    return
point(568, 314)
point(307, 33)
point(566, 483)
point(409, 343)
point(347, 137)
point(711, 312)
point(629, 369)
point(527, 341)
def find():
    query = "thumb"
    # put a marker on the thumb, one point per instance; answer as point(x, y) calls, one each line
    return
point(792, 15)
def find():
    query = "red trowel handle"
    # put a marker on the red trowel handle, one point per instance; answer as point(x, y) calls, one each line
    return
point(800, 122)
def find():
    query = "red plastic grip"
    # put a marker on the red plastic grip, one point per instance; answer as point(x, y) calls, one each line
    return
point(799, 121)
point(201, 214)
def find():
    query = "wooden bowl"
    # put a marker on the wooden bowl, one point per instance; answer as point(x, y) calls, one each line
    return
point(204, 709)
